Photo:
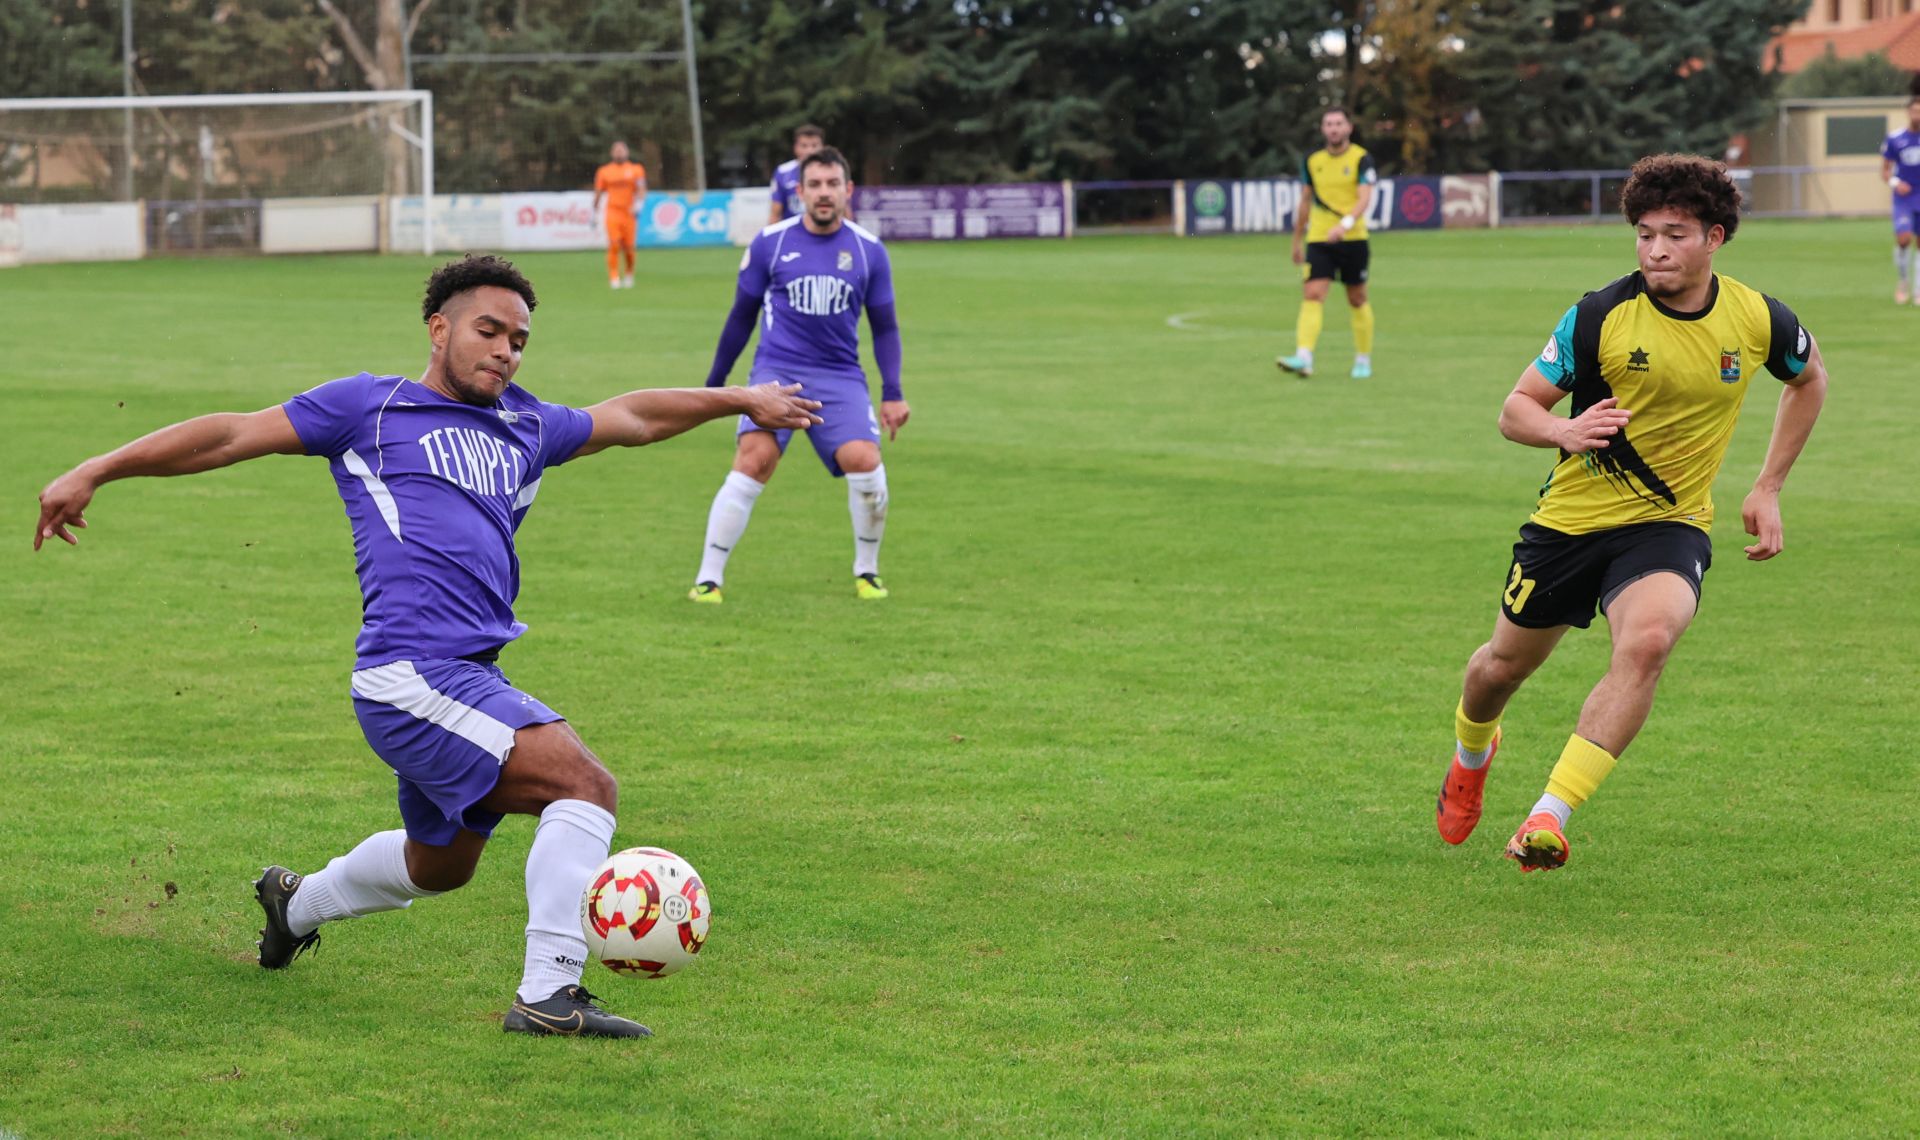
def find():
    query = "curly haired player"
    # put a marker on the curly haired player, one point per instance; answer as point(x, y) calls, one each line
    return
point(436, 475)
point(1658, 364)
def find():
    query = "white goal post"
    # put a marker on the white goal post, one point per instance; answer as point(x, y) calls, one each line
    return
point(203, 153)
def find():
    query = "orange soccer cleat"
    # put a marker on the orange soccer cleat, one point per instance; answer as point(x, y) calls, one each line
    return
point(1457, 811)
point(1539, 845)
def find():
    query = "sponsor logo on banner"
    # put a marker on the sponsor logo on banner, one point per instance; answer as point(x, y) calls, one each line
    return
point(1466, 200)
point(941, 213)
point(1209, 213)
point(1419, 204)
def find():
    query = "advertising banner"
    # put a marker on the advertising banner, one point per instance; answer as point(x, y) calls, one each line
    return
point(685, 219)
point(562, 220)
point(1267, 205)
point(909, 213)
point(461, 222)
point(1026, 209)
point(944, 213)
point(566, 220)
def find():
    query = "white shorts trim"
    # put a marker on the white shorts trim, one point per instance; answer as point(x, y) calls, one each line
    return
point(401, 686)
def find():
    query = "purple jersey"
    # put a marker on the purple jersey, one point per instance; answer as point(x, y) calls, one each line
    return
point(434, 489)
point(1903, 150)
point(786, 188)
point(812, 287)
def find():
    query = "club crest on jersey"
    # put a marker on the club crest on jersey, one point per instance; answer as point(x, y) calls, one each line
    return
point(1729, 366)
point(844, 261)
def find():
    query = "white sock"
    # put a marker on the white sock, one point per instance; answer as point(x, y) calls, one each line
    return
point(570, 841)
point(726, 522)
point(1471, 760)
point(1561, 809)
point(1902, 265)
point(366, 880)
point(1305, 355)
point(867, 503)
point(1363, 358)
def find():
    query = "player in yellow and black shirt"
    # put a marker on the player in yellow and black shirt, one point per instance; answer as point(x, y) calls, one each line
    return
point(1658, 364)
point(1336, 187)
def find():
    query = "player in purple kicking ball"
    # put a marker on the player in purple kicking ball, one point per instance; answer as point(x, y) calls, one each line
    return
point(804, 281)
point(436, 475)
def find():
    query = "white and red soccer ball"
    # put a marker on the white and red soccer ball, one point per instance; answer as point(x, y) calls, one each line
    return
point(645, 912)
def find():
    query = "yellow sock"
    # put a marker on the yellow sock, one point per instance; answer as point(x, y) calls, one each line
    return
point(1307, 329)
point(1577, 775)
point(1363, 329)
point(1473, 736)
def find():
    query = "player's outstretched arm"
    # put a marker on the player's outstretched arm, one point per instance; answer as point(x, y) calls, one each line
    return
point(1527, 417)
point(191, 446)
point(1800, 403)
point(653, 414)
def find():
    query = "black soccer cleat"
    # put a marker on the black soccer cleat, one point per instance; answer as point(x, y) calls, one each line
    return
point(570, 1012)
point(279, 945)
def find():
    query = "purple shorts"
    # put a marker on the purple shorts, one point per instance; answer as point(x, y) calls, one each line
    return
point(1906, 215)
point(444, 727)
point(846, 413)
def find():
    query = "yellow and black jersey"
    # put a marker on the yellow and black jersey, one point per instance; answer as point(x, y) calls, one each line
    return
point(1682, 375)
point(1334, 182)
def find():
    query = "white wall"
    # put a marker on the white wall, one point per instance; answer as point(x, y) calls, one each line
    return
point(319, 225)
point(105, 231)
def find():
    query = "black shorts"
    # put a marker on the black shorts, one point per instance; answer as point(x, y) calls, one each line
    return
point(1345, 259)
point(1559, 579)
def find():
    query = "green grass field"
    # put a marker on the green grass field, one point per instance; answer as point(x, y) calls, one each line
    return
point(1117, 818)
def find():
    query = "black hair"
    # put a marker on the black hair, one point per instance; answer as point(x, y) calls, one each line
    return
point(1685, 182)
point(1337, 109)
point(474, 271)
point(827, 156)
point(808, 131)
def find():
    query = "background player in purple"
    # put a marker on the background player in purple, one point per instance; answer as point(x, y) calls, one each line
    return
point(807, 139)
point(436, 475)
point(804, 281)
point(1900, 166)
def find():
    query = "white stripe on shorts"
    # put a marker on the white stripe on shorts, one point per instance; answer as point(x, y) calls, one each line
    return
point(402, 686)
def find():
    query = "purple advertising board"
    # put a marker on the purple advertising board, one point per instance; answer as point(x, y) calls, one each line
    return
point(1266, 205)
point(945, 213)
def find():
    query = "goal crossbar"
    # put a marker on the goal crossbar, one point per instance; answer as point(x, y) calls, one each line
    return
point(138, 102)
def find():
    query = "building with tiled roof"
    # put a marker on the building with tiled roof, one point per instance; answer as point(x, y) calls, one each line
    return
point(1851, 29)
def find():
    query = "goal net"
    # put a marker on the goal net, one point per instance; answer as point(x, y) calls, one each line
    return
point(204, 168)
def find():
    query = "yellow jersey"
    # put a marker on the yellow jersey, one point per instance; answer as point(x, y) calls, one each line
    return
point(1334, 182)
point(1682, 375)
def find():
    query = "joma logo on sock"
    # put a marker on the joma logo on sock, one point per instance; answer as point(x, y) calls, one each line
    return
point(563, 960)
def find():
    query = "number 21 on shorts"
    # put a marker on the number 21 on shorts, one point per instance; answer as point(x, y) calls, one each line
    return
point(1518, 590)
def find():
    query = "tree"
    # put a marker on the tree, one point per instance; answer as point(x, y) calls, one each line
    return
point(1830, 77)
point(1570, 84)
point(384, 67)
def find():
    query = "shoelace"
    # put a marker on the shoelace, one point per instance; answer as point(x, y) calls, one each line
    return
point(578, 995)
point(310, 942)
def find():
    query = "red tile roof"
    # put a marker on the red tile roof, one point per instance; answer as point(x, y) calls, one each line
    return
point(1898, 38)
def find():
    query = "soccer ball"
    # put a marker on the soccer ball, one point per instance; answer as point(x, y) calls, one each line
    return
point(645, 912)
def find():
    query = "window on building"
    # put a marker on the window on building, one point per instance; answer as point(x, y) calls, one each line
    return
point(1833, 11)
point(1855, 134)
